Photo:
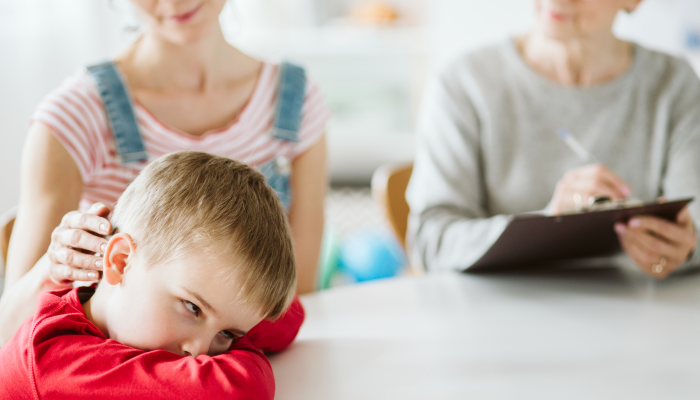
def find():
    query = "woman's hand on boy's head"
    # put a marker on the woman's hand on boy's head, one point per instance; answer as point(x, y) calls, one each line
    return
point(74, 244)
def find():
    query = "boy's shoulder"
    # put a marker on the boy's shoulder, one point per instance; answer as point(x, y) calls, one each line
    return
point(59, 349)
point(56, 311)
point(60, 313)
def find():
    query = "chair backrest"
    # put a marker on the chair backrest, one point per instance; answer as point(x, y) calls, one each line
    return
point(7, 222)
point(389, 184)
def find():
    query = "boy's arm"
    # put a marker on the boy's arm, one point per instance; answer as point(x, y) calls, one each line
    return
point(273, 336)
point(64, 352)
point(89, 367)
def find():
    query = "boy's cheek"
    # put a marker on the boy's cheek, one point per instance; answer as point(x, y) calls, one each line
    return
point(219, 346)
point(147, 331)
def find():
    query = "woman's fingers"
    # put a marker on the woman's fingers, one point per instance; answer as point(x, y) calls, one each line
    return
point(87, 221)
point(671, 232)
point(613, 180)
point(654, 248)
point(587, 190)
point(79, 239)
point(633, 250)
point(599, 180)
point(75, 259)
point(634, 245)
point(74, 244)
point(656, 245)
point(579, 184)
point(63, 274)
point(685, 220)
point(100, 210)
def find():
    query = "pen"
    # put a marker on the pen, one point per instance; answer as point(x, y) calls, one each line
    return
point(574, 145)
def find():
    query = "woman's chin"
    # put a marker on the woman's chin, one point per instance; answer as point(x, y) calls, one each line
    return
point(184, 36)
point(560, 32)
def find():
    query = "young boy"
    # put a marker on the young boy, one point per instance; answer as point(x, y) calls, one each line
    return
point(200, 255)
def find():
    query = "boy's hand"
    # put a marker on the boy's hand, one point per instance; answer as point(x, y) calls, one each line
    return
point(75, 244)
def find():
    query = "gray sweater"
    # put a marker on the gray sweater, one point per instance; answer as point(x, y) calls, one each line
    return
point(488, 147)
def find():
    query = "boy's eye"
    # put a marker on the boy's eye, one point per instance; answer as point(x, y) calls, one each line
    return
point(228, 335)
point(191, 307)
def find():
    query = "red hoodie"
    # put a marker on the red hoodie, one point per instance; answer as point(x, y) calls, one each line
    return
point(60, 354)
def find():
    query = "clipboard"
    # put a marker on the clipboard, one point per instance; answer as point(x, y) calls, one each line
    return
point(531, 239)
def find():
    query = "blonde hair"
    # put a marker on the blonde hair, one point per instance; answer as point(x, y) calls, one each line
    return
point(189, 200)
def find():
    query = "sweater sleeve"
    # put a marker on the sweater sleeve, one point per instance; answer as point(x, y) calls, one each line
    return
point(80, 366)
point(681, 173)
point(449, 225)
point(274, 336)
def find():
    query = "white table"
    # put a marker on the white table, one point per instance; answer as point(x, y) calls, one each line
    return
point(595, 334)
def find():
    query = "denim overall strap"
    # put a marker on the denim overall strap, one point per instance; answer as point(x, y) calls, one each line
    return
point(290, 101)
point(120, 112)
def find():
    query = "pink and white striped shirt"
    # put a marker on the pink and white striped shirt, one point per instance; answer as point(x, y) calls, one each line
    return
point(75, 114)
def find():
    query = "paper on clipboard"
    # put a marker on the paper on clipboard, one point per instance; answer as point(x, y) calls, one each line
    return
point(531, 238)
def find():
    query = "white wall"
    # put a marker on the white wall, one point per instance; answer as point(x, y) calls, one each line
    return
point(44, 41)
point(461, 25)
point(41, 43)
point(457, 26)
point(663, 25)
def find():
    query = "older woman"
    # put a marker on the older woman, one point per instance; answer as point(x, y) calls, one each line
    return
point(180, 86)
point(488, 145)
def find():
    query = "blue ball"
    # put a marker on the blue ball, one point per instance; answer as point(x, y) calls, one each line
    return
point(371, 254)
point(692, 39)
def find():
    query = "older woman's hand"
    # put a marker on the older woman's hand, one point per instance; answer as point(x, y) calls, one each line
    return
point(580, 184)
point(75, 244)
point(658, 246)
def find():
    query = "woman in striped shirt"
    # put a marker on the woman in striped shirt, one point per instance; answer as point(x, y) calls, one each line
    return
point(190, 90)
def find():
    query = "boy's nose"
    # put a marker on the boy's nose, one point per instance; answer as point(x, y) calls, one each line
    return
point(195, 347)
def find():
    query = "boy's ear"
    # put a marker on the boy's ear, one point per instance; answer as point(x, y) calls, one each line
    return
point(116, 257)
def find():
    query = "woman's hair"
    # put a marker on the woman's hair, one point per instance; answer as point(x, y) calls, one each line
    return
point(193, 201)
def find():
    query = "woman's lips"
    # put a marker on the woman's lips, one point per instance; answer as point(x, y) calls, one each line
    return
point(186, 16)
point(553, 15)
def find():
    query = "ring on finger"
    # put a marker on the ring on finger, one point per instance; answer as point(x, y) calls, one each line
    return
point(659, 267)
point(578, 199)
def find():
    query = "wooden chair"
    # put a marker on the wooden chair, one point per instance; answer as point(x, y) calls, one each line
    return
point(7, 222)
point(389, 184)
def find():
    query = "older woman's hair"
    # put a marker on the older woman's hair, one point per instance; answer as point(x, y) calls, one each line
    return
point(193, 201)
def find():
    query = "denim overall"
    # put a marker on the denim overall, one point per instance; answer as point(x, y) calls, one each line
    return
point(129, 144)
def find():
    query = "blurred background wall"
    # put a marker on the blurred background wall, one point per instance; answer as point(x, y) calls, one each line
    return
point(372, 73)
